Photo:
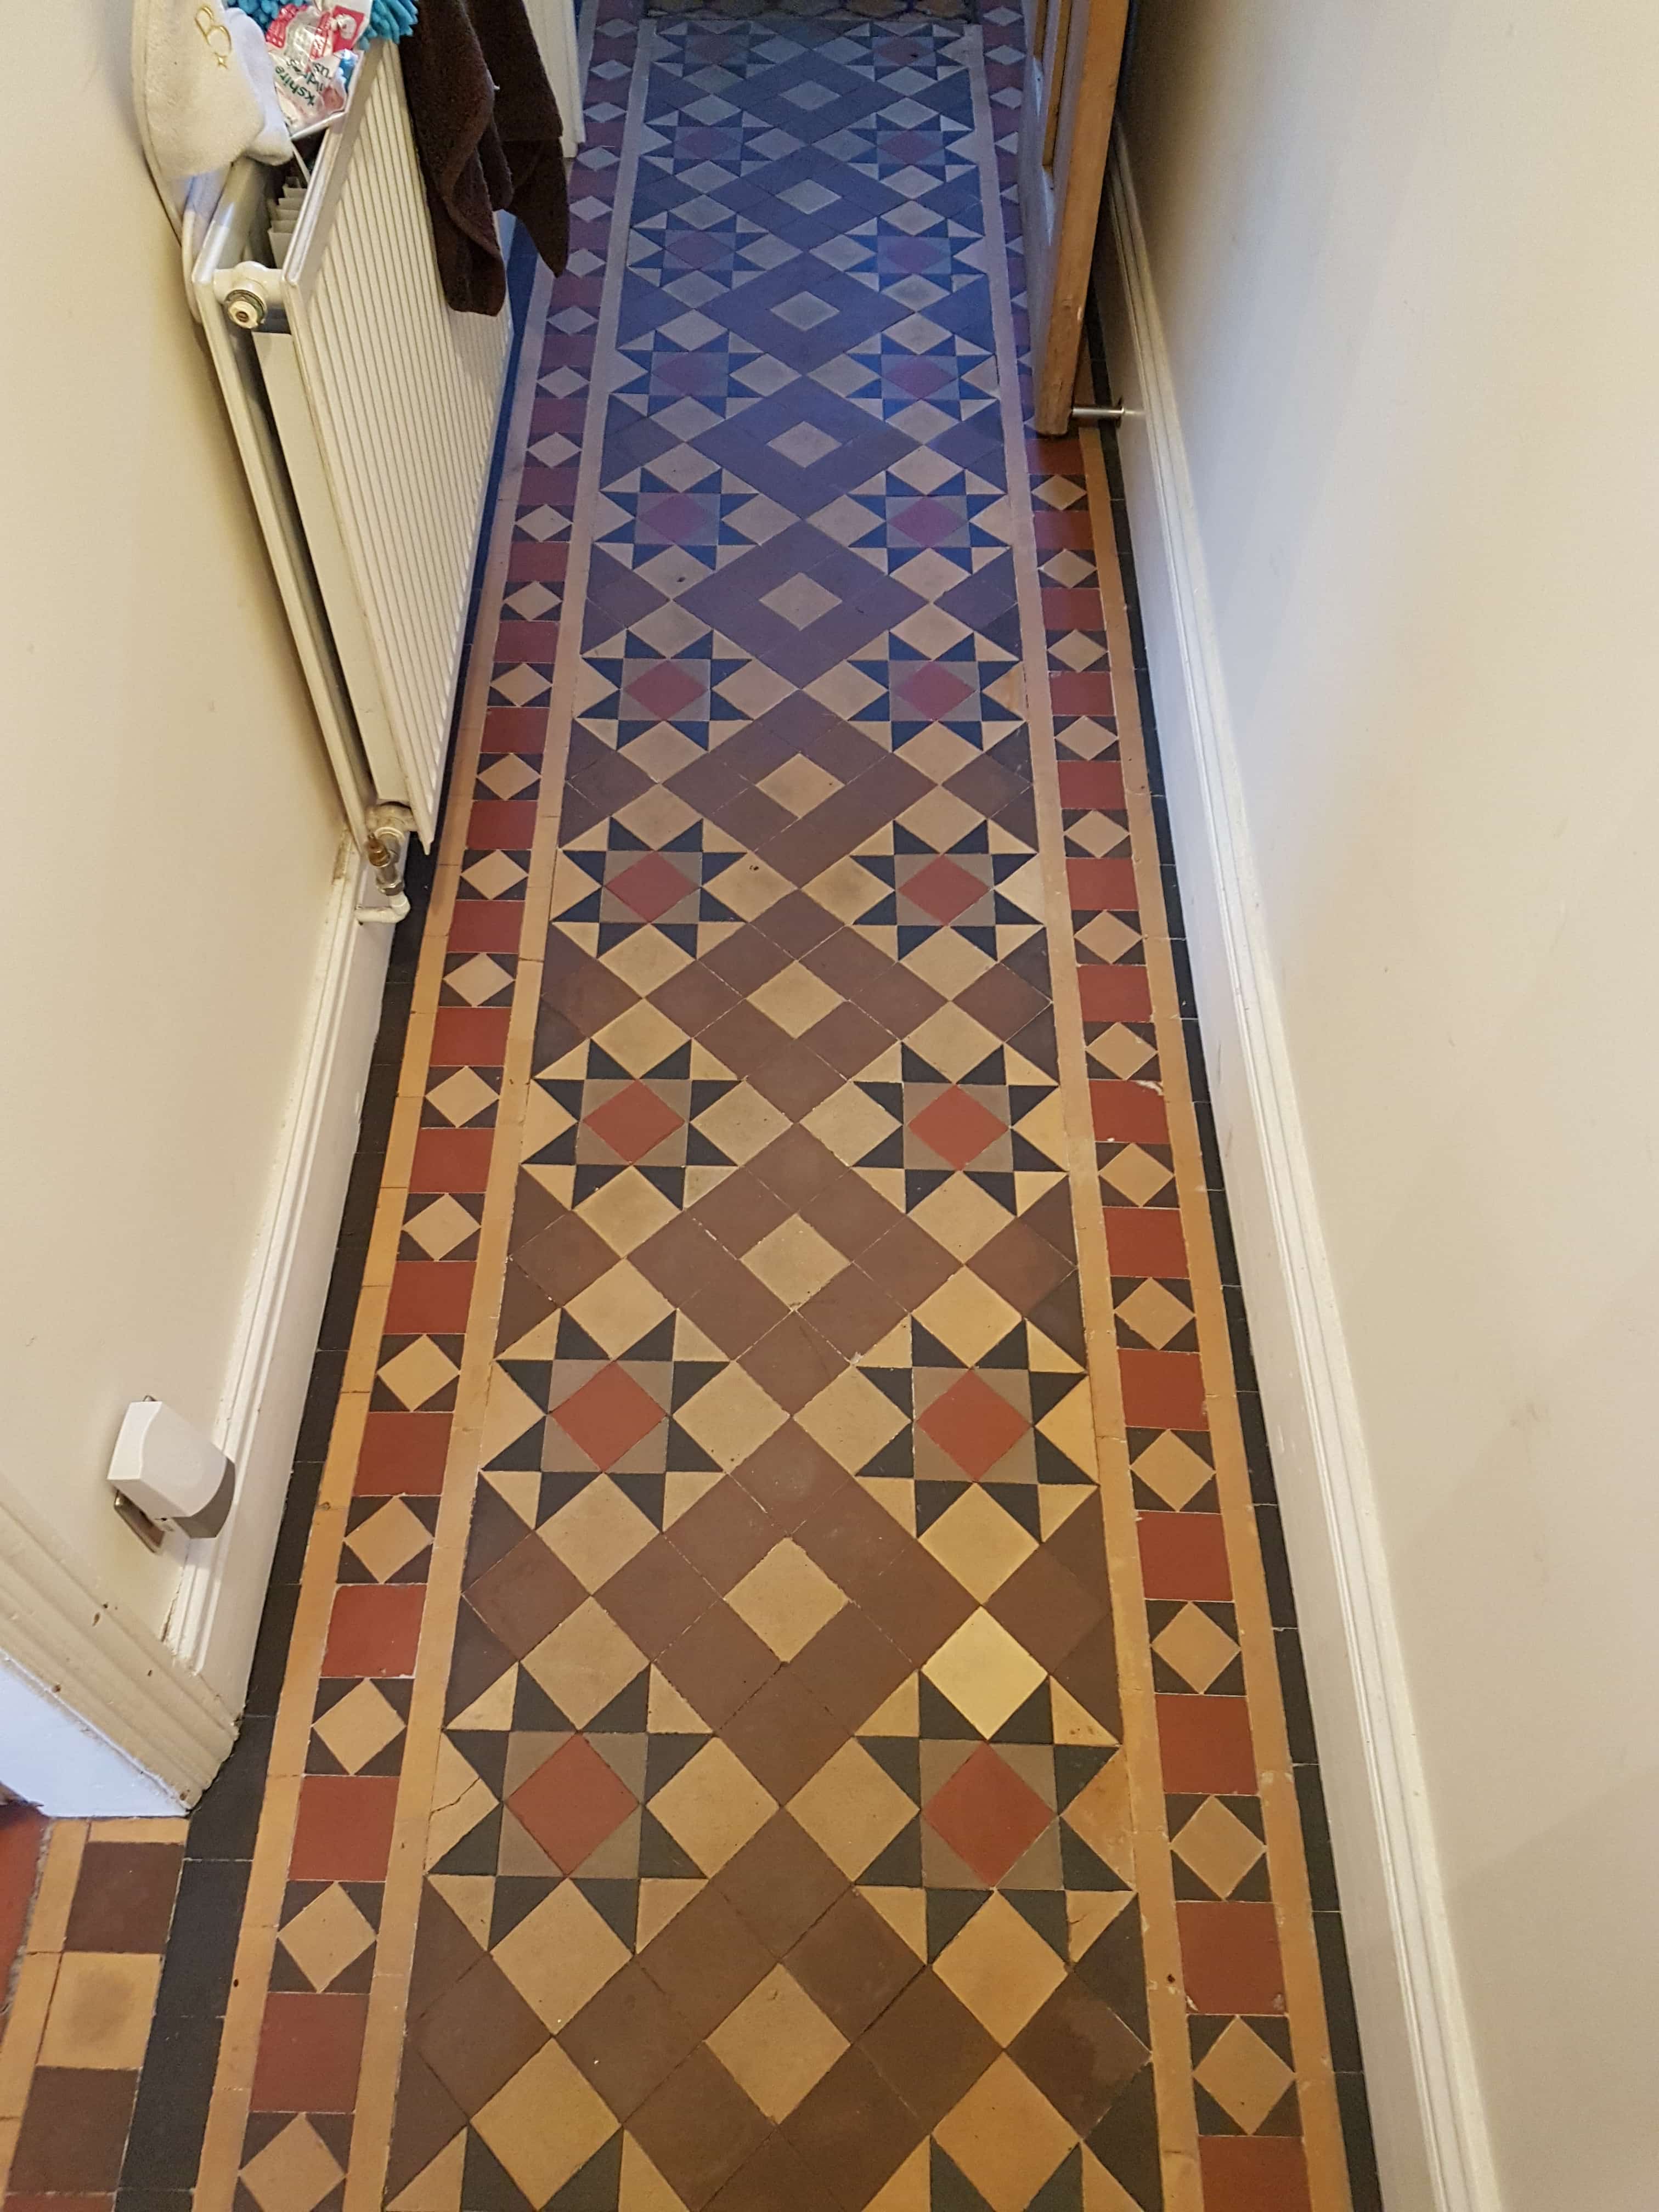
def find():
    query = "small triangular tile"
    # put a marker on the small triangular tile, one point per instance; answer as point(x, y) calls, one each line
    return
point(486, 2184)
point(949, 1911)
point(952, 2191)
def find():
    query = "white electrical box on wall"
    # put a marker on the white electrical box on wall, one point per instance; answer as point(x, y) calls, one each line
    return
point(177, 1477)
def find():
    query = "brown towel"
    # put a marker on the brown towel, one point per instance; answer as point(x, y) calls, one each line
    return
point(487, 132)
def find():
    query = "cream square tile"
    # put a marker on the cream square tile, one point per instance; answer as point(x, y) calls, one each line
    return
point(794, 1261)
point(786, 1599)
point(795, 999)
point(852, 1419)
point(1007, 2137)
point(1217, 1847)
point(640, 1038)
point(800, 784)
point(662, 752)
point(1108, 936)
point(1000, 1968)
point(983, 1672)
point(1096, 834)
point(102, 2008)
point(947, 960)
point(1244, 2075)
point(1121, 1052)
point(713, 1806)
point(979, 1543)
point(1173, 1469)
point(749, 887)
point(324, 1939)
point(359, 1726)
point(585, 1662)
point(960, 1216)
point(493, 876)
point(777, 2045)
point(560, 1955)
point(597, 1533)
point(418, 1373)
point(546, 2124)
point(388, 1540)
point(294, 2171)
point(656, 818)
point(645, 958)
point(940, 819)
point(852, 1809)
point(850, 1123)
point(1155, 1314)
point(953, 1042)
point(742, 1123)
point(967, 1316)
point(478, 979)
point(626, 1210)
point(731, 1417)
point(439, 1227)
point(1198, 1648)
point(620, 1309)
point(753, 688)
point(938, 752)
point(460, 1096)
point(846, 891)
point(507, 777)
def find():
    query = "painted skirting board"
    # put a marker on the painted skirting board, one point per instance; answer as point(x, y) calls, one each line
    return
point(1433, 2144)
point(99, 1716)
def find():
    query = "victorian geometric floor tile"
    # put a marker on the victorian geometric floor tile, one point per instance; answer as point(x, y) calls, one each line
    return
point(784, 1707)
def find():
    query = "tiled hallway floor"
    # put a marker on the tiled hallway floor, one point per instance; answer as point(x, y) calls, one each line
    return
point(783, 1710)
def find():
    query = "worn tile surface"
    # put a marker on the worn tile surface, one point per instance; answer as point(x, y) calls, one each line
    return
point(782, 1707)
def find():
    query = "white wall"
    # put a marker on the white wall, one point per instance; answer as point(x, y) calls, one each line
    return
point(172, 834)
point(1406, 258)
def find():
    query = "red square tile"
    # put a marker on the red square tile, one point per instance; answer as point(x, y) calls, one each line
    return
point(1119, 993)
point(1078, 608)
point(403, 1454)
point(469, 1036)
point(1096, 783)
point(1162, 1389)
point(1128, 1113)
point(1093, 884)
point(1229, 1957)
point(1088, 692)
point(1145, 1240)
point(1206, 1745)
point(1184, 1555)
point(374, 1629)
point(507, 825)
point(22, 1838)
point(343, 1832)
point(1253, 2173)
point(486, 925)
point(450, 1159)
point(310, 2049)
point(532, 563)
point(572, 1802)
point(515, 730)
point(986, 1814)
point(429, 1298)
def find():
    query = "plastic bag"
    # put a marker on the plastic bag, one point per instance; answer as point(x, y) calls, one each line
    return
point(313, 47)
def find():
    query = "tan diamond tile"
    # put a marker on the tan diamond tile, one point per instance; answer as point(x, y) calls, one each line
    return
point(948, 962)
point(439, 1227)
point(852, 1809)
point(324, 1939)
point(952, 1042)
point(493, 876)
point(418, 1372)
point(960, 1216)
point(360, 1726)
point(1096, 834)
point(713, 1806)
point(1173, 1469)
point(546, 2122)
point(656, 818)
point(967, 1316)
point(850, 1123)
point(852, 1419)
point(478, 979)
point(795, 998)
point(938, 752)
point(1198, 1648)
point(1155, 1314)
point(786, 1599)
point(1245, 2075)
point(388, 1540)
point(585, 1662)
point(1000, 1968)
point(640, 1038)
point(507, 777)
point(560, 1955)
point(800, 784)
point(619, 1308)
point(645, 958)
point(460, 1096)
point(1107, 936)
point(626, 1210)
point(777, 2045)
point(979, 1543)
point(731, 1417)
point(983, 1672)
point(742, 1123)
point(749, 887)
point(598, 1533)
point(794, 1261)
point(754, 688)
point(1007, 2137)
point(940, 820)
point(1217, 1847)
point(294, 2171)
point(843, 690)
point(846, 891)
point(1121, 1052)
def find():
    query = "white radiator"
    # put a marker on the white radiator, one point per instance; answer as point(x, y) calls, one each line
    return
point(365, 411)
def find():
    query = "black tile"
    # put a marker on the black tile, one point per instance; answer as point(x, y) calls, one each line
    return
point(1271, 1535)
point(295, 1532)
point(165, 2146)
point(200, 1955)
point(1340, 2014)
point(322, 1395)
point(1298, 1709)
point(264, 1685)
point(1356, 2111)
point(1316, 1839)
point(223, 1826)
